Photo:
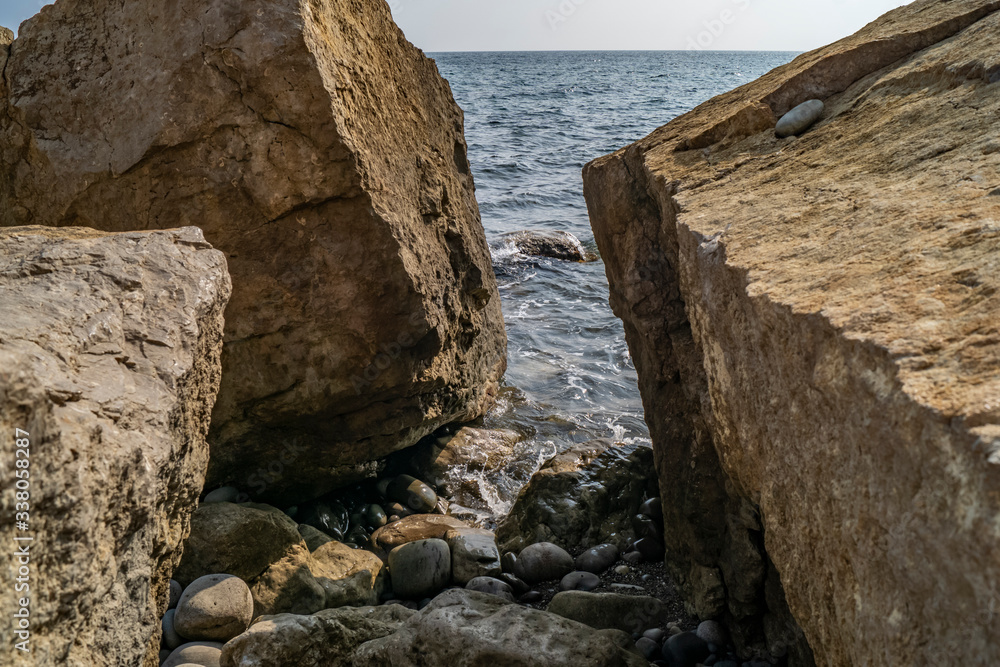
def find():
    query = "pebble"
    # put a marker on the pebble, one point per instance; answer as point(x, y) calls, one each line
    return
point(649, 649)
point(656, 634)
point(713, 633)
point(203, 654)
point(420, 568)
point(627, 587)
point(474, 553)
point(224, 494)
point(491, 586)
point(314, 537)
point(652, 508)
point(799, 119)
point(170, 637)
point(597, 559)
point(530, 597)
point(673, 630)
point(413, 493)
point(214, 607)
point(646, 527)
point(579, 581)
point(507, 562)
point(375, 516)
point(651, 549)
point(646, 578)
point(175, 593)
point(685, 649)
point(633, 557)
point(622, 570)
point(543, 561)
point(520, 587)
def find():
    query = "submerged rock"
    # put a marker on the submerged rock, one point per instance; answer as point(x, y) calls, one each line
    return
point(467, 629)
point(554, 244)
point(582, 497)
point(814, 330)
point(324, 154)
point(109, 364)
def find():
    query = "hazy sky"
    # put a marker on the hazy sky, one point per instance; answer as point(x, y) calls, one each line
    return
point(503, 25)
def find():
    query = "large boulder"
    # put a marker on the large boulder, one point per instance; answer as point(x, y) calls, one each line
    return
point(466, 628)
point(814, 323)
point(329, 637)
point(324, 154)
point(109, 365)
point(582, 497)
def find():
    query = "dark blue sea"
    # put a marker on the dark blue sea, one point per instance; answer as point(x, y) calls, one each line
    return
point(532, 121)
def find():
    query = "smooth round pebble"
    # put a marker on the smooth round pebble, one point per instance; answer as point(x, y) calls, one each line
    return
point(491, 586)
point(175, 593)
point(419, 569)
point(203, 654)
point(633, 557)
point(223, 494)
point(214, 607)
point(799, 119)
point(648, 648)
point(164, 654)
point(597, 559)
point(652, 508)
point(656, 634)
point(530, 597)
point(507, 561)
point(375, 516)
point(170, 637)
point(622, 570)
point(713, 633)
point(413, 493)
point(651, 549)
point(579, 581)
point(519, 587)
point(543, 561)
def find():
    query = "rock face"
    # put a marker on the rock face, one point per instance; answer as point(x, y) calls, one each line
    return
point(582, 497)
point(109, 359)
point(815, 326)
point(325, 156)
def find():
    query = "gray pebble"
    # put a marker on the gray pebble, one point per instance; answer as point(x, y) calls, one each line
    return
point(216, 607)
point(542, 562)
point(507, 561)
point(420, 568)
point(413, 493)
point(622, 570)
point(170, 637)
point(530, 597)
point(597, 559)
point(632, 557)
point(799, 119)
point(224, 494)
point(652, 508)
point(579, 581)
point(647, 647)
point(491, 586)
point(204, 654)
point(712, 632)
point(175, 593)
point(656, 634)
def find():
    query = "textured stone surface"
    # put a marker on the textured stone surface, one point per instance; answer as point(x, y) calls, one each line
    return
point(325, 156)
point(629, 613)
point(413, 528)
point(325, 638)
point(582, 497)
point(815, 326)
point(216, 607)
point(470, 629)
point(474, 553)
point(109, 359)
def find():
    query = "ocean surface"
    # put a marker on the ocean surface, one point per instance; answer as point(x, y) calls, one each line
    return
point(532, 121)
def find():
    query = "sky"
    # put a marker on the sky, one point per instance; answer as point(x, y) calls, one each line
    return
point(539, 25)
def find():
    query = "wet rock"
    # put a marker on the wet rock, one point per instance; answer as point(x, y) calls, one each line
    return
point(224, 494)
point(542, 562)
point(508, 561)
point(491, 586)
point(413, 528)
point(420, 568)
point(584, 496)
point(653, 508)
point(375, 516)
point(461, 627)
point(554, 244)
point(328, 637)
point(651, 548)
point(413, 493)
point(597, 559)
point(216, 607)
point(519, 587)
point(799, 119)
point(629, 613)
point(313, 537)
point(331, 518)
point(579, 581)
point(649, 648)
point(474, 554)
point(531, 597)
point(203, 654)
point(235, 539)
point(109, 358)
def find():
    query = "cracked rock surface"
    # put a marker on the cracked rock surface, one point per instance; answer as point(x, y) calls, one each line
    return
point(816, 326)
point(110, 360)
point(320, 151)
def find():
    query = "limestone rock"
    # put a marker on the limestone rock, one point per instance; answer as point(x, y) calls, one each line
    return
point(413, 528)
point(582, 497)
point(814, 325)
point(288, 586)
point(328, 637)
point(629, 613)
point(324, 154)
point(236, 539)
point(109, 359)
point(468, 629)
point(554, 244)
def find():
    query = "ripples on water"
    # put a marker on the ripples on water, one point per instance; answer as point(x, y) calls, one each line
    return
point(532, 121)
